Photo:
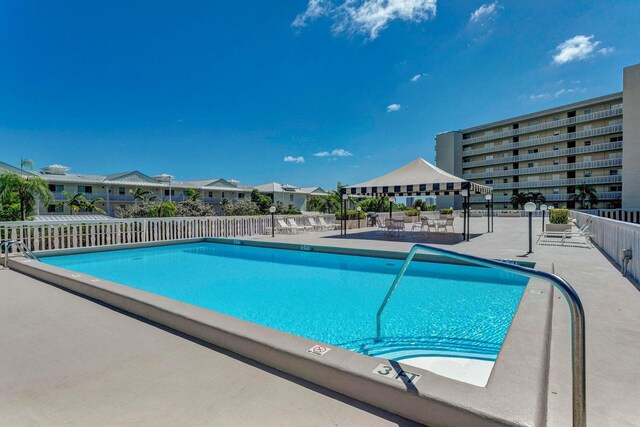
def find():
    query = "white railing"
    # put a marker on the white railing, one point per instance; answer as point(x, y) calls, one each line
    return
point(543, 169)
point(613, 237)
point(49, 235)
point(606, 146)
point(543, 126)
point(587, 133)
point(624, 215)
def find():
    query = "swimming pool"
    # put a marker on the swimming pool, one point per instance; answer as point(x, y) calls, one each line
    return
point(438, 309)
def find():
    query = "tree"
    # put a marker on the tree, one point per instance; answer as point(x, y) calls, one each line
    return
point(90, 205)
point(74, 201)
point(143, 195)
point(263, 202)
point(241, 207)
point(163, 209)
point(536, 198)
point(519, 199)
point(26, 163)
point(28, 191)
point(585, 193)
point(193, 195)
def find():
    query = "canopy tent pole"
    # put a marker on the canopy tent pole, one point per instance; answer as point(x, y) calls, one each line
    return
point(464, 217)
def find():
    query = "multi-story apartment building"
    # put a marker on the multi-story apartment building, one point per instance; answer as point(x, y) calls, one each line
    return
point(551, 152)
point(117, 190)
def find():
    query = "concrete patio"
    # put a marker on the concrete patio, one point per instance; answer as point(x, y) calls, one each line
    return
point(68, 360)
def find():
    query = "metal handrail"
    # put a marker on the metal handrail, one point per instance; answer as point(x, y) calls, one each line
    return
point(25, 250)
point(578, 361)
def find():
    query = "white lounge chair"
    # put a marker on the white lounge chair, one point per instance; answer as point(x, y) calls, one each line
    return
point(292, 223)
point(319, 227)
point(325, 224)
point(283, 227)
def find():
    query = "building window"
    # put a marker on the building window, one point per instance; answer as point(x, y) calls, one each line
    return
point(122, 206)
point(56, 188)
point(532, 150)
point(615, 188)
point(173, 192)
point(505, 180)
point(586, 158)
point(529, 165)
point(240, 195)
point(185, 193)
point(556, 162)
point(85, 189)
point(488, 181)
point(587, 143)
point(556, 133)
point(533, 122)
point(505, 168)
point(556, 148)
point(613, 172)
point(55, 208)
point(556, 118)
point(210, 193)
point(556, 191)
point(586, 127)
point(587, 174)
point(615, 139)
point(291, 197)
point(488, 158)
point(121, 191)
point(587, 111)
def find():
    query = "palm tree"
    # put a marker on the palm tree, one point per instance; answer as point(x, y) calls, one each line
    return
point(519, 199)
point(193, 195)
point(90, 205)
point(142, 194)
point(583, 194)
point(536, 198)
point(26, 163)
point(74, 201)
point(28, 189)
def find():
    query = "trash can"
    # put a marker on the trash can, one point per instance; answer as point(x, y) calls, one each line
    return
point(372, 219)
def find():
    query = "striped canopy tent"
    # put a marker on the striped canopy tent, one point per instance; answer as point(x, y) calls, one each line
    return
point(419, 178)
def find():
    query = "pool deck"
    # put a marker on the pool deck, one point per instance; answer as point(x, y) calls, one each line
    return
point(68, 360)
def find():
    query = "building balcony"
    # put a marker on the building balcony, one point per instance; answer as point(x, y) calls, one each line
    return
point(545, 140)
point(611, 195)
point(545, 126)
point(608, 163)
point(609, 179)
point(595, 148)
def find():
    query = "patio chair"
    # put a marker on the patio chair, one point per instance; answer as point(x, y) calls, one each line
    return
point(396, 226)
point(292, 223)
point(567, 234)
point(285, 228)
point(430, 223)
point(319, 227)
point(326, 224)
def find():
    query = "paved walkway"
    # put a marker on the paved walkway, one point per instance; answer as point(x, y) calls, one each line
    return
point(67, 360)
point(611, 303)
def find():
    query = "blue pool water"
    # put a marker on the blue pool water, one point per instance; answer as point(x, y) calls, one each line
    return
point(438, 309)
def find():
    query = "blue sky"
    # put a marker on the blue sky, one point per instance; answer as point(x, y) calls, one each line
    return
point(204, 89)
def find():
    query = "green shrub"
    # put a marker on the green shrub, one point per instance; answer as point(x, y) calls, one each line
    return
point(351, 214)
point(446, 211)
point(559, 216)
point(411, 212)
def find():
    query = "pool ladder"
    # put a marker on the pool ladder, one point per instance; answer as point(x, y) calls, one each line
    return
point(7, 244)
point(578, 362)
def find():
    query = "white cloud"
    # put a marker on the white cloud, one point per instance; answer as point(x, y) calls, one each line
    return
point(293, 159)
point(368, 17)
point(484, 12)
point(578, 48)
point(315, 9)
point(393, 107)
point(338, 152)
point(418, 77)
point(556, 94)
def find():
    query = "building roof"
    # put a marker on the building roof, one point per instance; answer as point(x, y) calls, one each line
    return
point(275, 187)
point(7, 168)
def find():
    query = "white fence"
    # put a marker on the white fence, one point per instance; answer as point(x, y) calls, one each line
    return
point(46, 235)
point(613, 237)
